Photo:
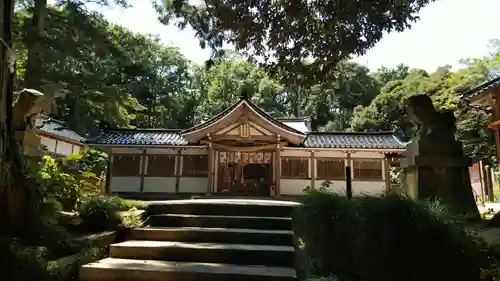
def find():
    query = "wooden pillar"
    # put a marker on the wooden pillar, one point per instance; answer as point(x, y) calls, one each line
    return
point(278, 167)
point(178, 170)
point(107, 184)
point(55, 146)
point(348, 176)
point(496, 116)
point(313, 169)
point(387, 167)
point(142, 169)
point(210, 163)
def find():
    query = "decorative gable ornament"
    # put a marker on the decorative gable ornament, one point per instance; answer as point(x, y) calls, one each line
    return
point(244, 130)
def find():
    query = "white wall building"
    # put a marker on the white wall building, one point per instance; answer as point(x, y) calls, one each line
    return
point(244, 151)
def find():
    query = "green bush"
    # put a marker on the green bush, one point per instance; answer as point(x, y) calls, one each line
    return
point(55, 182)
point(387, 238)
point(100, 213)
point(22, 263)
point(127, 204)
point(46, 231)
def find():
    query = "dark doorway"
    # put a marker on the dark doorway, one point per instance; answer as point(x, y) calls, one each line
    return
point(252, 179)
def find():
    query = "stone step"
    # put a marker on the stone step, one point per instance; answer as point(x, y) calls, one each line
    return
point(221, 207)
point(214, 235)
point(281, 223)
point(111, 269)
point(241, 254)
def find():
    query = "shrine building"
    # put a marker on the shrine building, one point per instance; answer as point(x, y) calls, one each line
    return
point(244, 151)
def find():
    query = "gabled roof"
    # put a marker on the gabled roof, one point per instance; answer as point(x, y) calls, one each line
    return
point(294, 134)
point(164, 137)
point(378, 140)
point(57, 128)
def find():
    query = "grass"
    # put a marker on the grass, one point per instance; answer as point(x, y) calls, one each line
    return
point(127, 204)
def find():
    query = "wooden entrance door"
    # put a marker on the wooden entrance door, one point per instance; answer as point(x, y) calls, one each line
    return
point(247, 175)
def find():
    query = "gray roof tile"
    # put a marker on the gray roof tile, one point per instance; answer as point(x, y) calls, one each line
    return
point(382, 140)
point(140, 137)
point(491, 83)
point(58, 128)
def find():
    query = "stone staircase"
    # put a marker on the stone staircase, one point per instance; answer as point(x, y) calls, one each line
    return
point(204, 239)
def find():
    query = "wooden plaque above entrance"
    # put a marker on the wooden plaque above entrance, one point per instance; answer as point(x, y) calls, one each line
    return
point(245, 157)
point(243, 112)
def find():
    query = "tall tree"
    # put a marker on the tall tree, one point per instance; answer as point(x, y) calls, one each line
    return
point(16, 194)
point(286, 33)
point(387, 110)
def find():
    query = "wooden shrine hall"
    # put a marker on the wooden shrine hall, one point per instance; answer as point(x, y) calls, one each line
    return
point(244, 151)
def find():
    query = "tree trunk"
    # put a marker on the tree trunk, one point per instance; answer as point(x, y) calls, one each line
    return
point(17, 199)
point(35, 45)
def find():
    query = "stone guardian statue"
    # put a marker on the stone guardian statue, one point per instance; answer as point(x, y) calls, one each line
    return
point(434, 163)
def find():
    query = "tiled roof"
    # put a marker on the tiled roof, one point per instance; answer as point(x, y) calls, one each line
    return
point(315, 139)
point(243, 99)
point(492, 82)
point(58, 128)
point(379, 140)
point(301, 124)
point(139, 137)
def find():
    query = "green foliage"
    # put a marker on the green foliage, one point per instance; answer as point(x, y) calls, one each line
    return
point(386, 112)
point(131, 218)
point(23, 263)
point(91, 160)
point(46, 231)
point(100, 213)
point(127, 204)
point(59, 184)
point(103, 212)
point(331, 278)
point(388, 238)
point(291, 30)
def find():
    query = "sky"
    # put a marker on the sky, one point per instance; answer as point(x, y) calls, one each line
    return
point(449, 30)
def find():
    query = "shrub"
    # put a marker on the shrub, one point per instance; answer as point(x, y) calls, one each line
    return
point(56, 183)
point(46, 231)
point(127, 204)
point(100, 213)
point(23, 263)
point(387, 238)
point(131, 218)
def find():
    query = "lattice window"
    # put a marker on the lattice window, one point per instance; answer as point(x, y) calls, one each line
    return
point(195, 166)
point(161, 166)
point(330, 169)
point(367, 169)
point(295, 168)
point(126, 165)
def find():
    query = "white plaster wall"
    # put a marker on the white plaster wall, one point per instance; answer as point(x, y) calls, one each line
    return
point(159, 184)
point(374, 188)
point(195, 151)
point(367, 154)
point(49, 143)
point(64, 148)
point(295, 153)
point(156, 151)
point(76, 149)
point(296, 187)
point(293, 186)
point(330, 154)
point(125, 150)
point(193, 185)
point(125, 184)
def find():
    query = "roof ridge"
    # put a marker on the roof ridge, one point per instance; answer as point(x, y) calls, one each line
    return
point(479, 88)
point(384, 133)
point(165, 130)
